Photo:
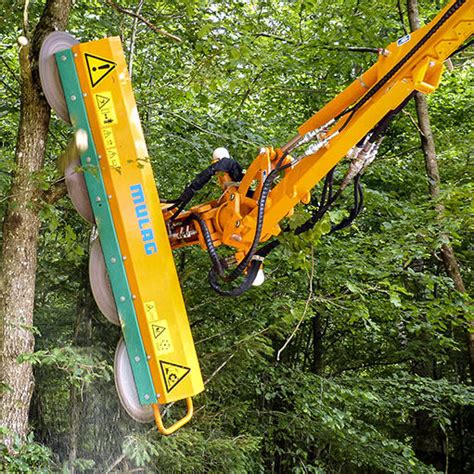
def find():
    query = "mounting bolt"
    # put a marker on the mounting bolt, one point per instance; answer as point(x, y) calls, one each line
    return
point(88, 159)
point(232, 197)
point(85, 94)
point(237, 224)
point(134, 297)
point(137, 359)
point(63, 58)
point(157, 395)
point(146, 397)
point(73, 98)
point(98, 199)
point(122, 299)
point(110, 196)
point(124, 257)
point(99, 157)
point(148, 357)
point(113, 259)
point(75, 55)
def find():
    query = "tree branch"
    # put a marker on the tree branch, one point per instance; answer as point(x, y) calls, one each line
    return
point(55, 192)
point(132, 39)
point(400, 14)
point(139, 17)
point(306, 306)
point(219, 369)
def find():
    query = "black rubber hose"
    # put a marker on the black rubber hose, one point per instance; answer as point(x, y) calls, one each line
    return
point(216, 262)
point(242, 288)
point(227, 165)
point(258, 230)
point(247, 260)
point(356, 210)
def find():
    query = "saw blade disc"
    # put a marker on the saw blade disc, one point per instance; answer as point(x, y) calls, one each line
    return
point(76, 187)
point(48, 70)
point(126, 388)
point(100, 284)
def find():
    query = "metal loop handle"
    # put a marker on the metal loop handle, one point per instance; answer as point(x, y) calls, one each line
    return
point(178, 424)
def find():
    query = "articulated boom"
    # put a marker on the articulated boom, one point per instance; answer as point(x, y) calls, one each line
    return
point(413, 63)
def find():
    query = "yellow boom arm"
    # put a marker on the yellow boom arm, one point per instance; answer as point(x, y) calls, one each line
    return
point(413, 63)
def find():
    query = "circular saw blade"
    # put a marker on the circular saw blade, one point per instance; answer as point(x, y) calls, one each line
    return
point(76, 187)
point(100, 284)
point(48, 70)
point(126, 389)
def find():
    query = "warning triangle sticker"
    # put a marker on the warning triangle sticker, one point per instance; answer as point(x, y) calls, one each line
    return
point(157, 330)
point(173, 374)
point(98, 68)
point(101, 100)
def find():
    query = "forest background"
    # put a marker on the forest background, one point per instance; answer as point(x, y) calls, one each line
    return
point(353, 356)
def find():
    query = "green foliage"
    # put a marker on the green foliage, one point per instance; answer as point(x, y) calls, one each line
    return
point(81, 365)
point(26, 456)
point(192, 451)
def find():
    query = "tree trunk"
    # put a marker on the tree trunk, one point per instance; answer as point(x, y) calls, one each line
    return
point(18, 259)
point(431, 163)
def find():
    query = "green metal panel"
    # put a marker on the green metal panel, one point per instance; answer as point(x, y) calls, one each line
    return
point(108, 237)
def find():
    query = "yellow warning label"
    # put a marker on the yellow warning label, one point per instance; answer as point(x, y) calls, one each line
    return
point(104, 105)
point(113, 157)
point(98, 68)
point(161, 337)
point(173, 374)
point(150, 311)
point(108, 137)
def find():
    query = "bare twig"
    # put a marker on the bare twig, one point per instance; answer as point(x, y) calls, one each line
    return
point(219, 368)
point(116, 463)
point(249, 88)
point(201, 129)
point(150, 25)
point(306, 306)
point(25, 18)
point(132, 39)
point(414, 122)
point(17, 79)
point(213, 336)
point(275, 37)
point(354, 49)
point(7, 87)
point(400, 14)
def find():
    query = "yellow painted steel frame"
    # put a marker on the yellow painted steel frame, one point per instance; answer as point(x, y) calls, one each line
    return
point(232, 219)
point(138, 221)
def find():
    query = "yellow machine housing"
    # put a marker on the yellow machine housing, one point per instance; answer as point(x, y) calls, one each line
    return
point(138, 219)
